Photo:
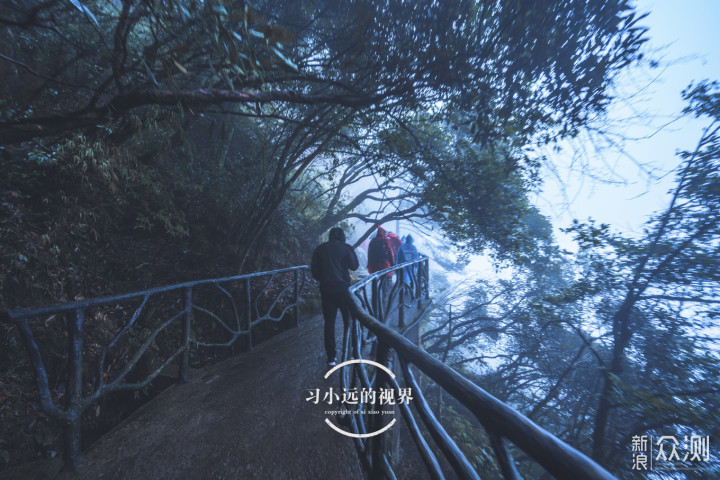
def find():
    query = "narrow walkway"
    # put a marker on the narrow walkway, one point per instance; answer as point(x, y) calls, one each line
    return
point(246, 417)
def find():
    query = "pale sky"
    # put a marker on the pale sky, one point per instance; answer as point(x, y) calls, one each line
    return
point(685, 38)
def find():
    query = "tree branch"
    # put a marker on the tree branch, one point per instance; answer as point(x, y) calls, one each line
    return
point(16, 131)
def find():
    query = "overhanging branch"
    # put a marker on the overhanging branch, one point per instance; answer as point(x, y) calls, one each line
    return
point(17, 131)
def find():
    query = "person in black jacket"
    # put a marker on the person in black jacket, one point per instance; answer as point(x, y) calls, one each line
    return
point(330, 264)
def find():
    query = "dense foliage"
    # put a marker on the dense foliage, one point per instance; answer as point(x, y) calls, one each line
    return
point(489, 77)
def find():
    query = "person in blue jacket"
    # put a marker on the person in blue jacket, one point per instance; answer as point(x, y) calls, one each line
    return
point(330, 265)
point(407, 253)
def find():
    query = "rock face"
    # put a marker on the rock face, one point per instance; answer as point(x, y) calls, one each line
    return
point(246, 417)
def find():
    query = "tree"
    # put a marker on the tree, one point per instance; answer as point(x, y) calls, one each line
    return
point(675, 269)
point(334, 81)
point(433, 174)
point(619, 340)
point(502, 66)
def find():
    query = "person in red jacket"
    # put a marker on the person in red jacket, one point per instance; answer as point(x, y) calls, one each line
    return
point(330, 264)
point(395, 244)
point(380, 252)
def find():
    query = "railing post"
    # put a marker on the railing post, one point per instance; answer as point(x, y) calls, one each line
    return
point(382, 292)
point(71, 429)
point(417, 274)
point(507, 466)
point(419, 278)
point(375, 298)
point(379, 446)
point(248, 297)
point(69, 409)
point(185, 359)
point(401, 298)
point(296, 308)
point(427, 278)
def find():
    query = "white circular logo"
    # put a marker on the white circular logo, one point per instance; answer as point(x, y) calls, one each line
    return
point(360, 435)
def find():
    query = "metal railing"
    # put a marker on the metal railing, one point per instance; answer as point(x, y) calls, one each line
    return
point(155, 327)
point(374, 335)
point(167, 324)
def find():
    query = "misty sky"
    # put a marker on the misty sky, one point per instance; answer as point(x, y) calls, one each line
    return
point(623, 189)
